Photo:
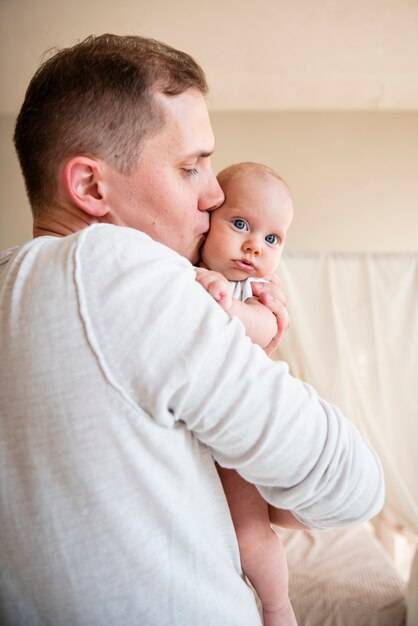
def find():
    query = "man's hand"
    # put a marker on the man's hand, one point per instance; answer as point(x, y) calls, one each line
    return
point(216, 285)
point(271, 294)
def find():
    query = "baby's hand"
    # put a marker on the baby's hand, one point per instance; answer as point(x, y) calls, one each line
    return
point(271, 294)
point(216, 285)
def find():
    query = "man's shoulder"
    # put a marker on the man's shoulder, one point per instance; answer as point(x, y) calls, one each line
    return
point(105, 234)
point(120, 243)
point(110, 260)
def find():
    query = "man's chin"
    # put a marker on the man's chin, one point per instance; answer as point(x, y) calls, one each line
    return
point(195, 257)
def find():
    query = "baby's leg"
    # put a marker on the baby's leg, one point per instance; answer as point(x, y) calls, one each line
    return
point(263, 557)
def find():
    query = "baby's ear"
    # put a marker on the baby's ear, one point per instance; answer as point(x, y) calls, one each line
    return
point(82, 181)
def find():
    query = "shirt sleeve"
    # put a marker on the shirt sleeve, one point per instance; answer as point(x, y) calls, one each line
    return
point(167, 348)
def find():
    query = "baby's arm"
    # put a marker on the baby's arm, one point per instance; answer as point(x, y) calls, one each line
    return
point(260, 323)
point(262, 554)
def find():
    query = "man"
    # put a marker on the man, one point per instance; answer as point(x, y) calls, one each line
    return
point(122, 380)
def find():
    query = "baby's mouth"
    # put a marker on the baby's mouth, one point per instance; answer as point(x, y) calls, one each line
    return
point(245, 265)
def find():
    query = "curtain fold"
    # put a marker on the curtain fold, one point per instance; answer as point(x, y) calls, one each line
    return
point(354, 337)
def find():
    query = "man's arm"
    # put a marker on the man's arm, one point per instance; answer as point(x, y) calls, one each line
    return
point(180, 359)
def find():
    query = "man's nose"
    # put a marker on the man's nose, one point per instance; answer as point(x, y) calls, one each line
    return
point(252, 244)
point(213, 197)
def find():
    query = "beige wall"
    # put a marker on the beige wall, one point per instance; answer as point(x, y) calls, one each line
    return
point(270, 55)
point(353, 175)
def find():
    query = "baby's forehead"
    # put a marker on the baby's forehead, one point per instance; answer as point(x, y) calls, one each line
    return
point(259, 196)
point(257, 209)
point(260, 178)
point(261, 181)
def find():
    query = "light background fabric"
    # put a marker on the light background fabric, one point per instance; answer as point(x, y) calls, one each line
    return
point(343, 577)
point(331, 583)
point(354, 337)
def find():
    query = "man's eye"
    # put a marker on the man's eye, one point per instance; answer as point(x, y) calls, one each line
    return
point(240, 224)
point(272, 239)
point(190, 171)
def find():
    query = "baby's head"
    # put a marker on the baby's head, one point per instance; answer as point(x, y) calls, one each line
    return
point(247, 233)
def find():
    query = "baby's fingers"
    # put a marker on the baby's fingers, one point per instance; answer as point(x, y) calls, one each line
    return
point(221, 292)
point(216, 285)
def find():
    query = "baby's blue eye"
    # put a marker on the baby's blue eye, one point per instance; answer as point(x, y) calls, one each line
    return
point(271, 239)
point(240, 224)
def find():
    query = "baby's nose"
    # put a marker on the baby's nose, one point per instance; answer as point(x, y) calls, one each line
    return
point(252, 245)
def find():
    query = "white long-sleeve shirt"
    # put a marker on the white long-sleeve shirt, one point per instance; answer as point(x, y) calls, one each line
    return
point(121, 380)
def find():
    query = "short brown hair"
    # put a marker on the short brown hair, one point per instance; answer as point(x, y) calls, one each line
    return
point(96, 98)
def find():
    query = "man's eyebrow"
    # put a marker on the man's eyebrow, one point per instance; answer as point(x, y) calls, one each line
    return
point(199, 154)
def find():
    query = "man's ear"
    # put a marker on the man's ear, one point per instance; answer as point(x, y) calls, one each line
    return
point(82, 179)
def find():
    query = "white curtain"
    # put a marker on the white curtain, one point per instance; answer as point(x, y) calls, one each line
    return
point(354, 337)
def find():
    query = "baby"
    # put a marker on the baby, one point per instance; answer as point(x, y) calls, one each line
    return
point(244, 245)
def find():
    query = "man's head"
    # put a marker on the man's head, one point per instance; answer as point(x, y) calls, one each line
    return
point(248, 232)
point(97, 98)
point(91, 115)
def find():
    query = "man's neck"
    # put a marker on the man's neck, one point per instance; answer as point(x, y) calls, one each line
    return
point(61, 223)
